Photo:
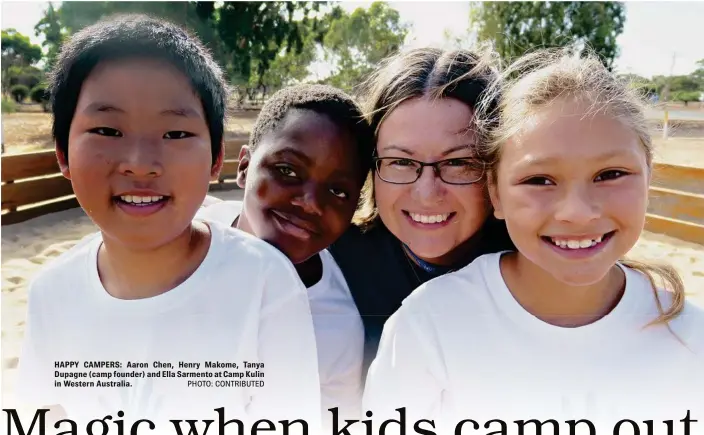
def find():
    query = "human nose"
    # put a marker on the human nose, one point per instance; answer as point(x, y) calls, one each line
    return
point(428, 188)
point(142, 158)
point(578, 206)
point(309, 201)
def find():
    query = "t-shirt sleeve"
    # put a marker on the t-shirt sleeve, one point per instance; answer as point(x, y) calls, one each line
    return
point(287, 347)
point(35, 381)
point(406, 372)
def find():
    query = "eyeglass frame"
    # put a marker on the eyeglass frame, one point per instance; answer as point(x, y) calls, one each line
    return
point(436, 169)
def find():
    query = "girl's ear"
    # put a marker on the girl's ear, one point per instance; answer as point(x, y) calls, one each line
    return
point(245, 158)
point(494, 197)
point(219, 161)
point(62, 159)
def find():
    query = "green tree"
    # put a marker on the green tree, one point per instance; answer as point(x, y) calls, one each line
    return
point(50, 27)
point(18, 50)
point(18, 56)
point(355, 43)
point(684, 84)
point(290, 66)
point(686, 96)
point(698, 74)
point(71, 17)
point(245, 37)
point(19, 92)
point(519, 27)
point(269, 44)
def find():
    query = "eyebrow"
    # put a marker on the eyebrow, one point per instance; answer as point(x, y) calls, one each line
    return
point(339, 175)
point(448, 151)
point(289, 150)
point(100, 107)
point(185, 112)
point(538, 161)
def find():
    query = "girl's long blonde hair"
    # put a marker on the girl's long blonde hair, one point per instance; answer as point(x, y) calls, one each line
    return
point(539, 79)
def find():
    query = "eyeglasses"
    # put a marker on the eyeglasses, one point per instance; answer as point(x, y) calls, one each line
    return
point(401, 170)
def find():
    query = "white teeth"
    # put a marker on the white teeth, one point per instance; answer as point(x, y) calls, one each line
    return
point(429, 219)
point(576, 243)
point(140, 199)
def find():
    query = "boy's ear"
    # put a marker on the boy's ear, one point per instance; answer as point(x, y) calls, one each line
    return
point(62, 159)
point(245, 157)
point(219, 161)
point(494, 197)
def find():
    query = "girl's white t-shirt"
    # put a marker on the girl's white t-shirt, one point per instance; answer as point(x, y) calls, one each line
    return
point(461, 347)
point(237, 334)
point(338, 327)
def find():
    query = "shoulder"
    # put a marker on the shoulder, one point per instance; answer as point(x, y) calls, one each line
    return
point(224, 212)
point(362, 254)
point(688, 325)
point(451, 288)
point(248, 251)
point(354, 240)
point(453, 296)
point(55, 278)
point(333, 278)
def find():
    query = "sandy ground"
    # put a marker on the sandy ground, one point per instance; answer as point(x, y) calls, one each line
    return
point(27, 246)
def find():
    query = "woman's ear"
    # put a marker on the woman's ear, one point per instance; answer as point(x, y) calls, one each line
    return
point(62, 159)
point(494, 197)
point(244, 158)
point(219, 161)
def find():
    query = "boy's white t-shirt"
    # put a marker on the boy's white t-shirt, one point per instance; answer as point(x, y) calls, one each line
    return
point(338, 327)
point(243, 312)
point(461, 347)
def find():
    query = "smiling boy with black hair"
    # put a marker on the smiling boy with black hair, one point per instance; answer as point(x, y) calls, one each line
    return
point(139, 109)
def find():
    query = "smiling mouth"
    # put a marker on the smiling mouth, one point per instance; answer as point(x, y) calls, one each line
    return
point(578, 243)
point(436, 218)
point(293, 226)
point(141, 201)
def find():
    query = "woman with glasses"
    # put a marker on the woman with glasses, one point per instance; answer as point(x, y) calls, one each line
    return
point(425, 209)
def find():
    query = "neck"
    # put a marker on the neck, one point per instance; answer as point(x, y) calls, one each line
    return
point(458, 257)
point(137, 274)
point(311, 270)
point(555, 302)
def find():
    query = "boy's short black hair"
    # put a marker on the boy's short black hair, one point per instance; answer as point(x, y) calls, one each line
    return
point(323, 99)
point(124, 36)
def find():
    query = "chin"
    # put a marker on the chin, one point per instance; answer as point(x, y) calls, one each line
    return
point(429, 251)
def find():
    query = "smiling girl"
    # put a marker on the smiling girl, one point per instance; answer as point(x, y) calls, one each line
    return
point(562, 328)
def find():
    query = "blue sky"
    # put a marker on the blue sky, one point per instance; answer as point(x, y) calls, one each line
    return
point(653, 33)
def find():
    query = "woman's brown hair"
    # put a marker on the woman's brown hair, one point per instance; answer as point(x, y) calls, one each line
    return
point(424, 72)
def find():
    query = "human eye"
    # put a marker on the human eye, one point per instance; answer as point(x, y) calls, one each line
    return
point(611, 174)
point(339, 193)
point(538, 181)
point(459, 162)
point(178, 134)
point(106, 131)
point(286, 171)
point(400, 162)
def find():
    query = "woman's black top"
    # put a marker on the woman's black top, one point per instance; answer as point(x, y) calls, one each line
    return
point(380, 275)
